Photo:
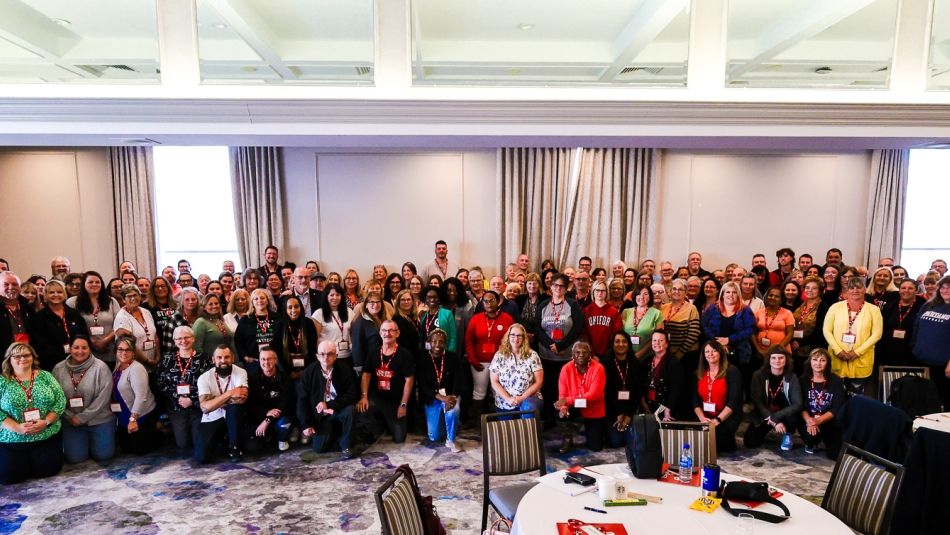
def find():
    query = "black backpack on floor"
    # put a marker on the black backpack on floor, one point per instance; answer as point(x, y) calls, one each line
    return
point(644, 451)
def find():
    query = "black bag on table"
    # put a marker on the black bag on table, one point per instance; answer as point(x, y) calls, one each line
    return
point(745, 491)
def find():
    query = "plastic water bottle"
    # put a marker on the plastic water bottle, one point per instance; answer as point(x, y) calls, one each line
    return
point(686, 465)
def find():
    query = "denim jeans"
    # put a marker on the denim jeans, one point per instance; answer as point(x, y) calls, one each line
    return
point(210, 433)
point(326, 430)
point(97, 441)
point(534, 403)
point(434, 412)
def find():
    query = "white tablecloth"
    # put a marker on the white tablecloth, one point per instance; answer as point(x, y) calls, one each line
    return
point(939, 421)
point(543, 507)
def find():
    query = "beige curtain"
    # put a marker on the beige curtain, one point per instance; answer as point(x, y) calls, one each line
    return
point(611, 217)
point(132, 172)
point(258, 201)
point(887, 197)
point(533, 186)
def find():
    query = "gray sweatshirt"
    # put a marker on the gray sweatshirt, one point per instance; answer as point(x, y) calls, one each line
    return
point(95, 389)
point(134, 389)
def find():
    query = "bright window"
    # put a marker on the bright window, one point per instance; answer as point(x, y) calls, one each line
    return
point(925, 236)
point(194, 213)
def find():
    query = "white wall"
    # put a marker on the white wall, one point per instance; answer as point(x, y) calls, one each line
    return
point(729, 206)
point(356, 210)
point(56, 202)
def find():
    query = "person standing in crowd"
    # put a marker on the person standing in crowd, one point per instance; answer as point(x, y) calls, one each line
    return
point(386, 385)
point(732, 324)
point(681, 322)
point(160, 304)
point(296, 339)
point(222, 393)
point(560, 323)
point(98, 309)
point(441, 265)
point(717, 398)
point(333, 322)
point(601, 321)
point(270, 264)
point(900, 318)
point(774, 325)
point(256, 330)
point(238, 307)
point(438, 317)
point(88, 422)
point(931, 339)
point(137, 322)
point(823, 398)
point(16, 316)
point(270, 406)
point(210, 327)
point(852, 327)
point(483, 337)
point(137, 414)
point(640, 321)
point(31, 441)
point(809, 321)
point(516, 373)
point(55, 326)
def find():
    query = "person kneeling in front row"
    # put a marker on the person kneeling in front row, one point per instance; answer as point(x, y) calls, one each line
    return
point(440, 383)
point(222, 392)
point(270, 405)
point(777, 400)
point(325, 400)
point(386, 385)
point(581, 388)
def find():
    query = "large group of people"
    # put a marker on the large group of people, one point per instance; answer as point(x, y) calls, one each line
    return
point(280, 354)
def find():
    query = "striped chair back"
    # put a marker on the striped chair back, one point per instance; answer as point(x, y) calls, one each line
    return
point(701, 438)
point(398, 511)
point(862, 490)
point(511, 446)
point(888, 374)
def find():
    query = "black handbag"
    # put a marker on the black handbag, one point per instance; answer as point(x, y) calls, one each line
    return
point(745, 491)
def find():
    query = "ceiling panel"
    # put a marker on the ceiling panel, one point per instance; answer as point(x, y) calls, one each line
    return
point(939, 68)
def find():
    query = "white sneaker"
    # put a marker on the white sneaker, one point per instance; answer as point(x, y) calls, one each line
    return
point(283, 446)
point(452, 446)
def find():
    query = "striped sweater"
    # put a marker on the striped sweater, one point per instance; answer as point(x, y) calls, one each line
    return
point(683, 328)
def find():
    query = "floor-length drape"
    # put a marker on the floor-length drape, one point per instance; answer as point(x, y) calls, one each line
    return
point(533, 185)
point(132, 175)
point(887, 196)
point(611, 217)
point(258, 201)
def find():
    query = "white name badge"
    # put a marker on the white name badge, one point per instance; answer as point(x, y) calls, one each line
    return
point(428, 346)
point(900, 333)
point(766, 342)
point(580, 403)
point(798, 333)
point(97, 330)
point(623, 395)
point(635, 340)
point(75, 403)
point(31, 415)
point(115, 407)
point(343, 345)
point(183, 390)
point(848, 338)
point(298, 363)
point(709, 407)
point(65, 348)
point(148, 345)
point(442, 392)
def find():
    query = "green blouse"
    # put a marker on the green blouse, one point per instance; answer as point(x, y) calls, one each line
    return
point(644, 329)
point(48, 397)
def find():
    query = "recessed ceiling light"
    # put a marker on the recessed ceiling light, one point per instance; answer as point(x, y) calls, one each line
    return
point(526, 26)
point(249, 69)
point(61, 22)
point(220, 26)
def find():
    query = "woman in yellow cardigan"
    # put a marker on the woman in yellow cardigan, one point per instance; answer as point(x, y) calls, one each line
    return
point(852, 327)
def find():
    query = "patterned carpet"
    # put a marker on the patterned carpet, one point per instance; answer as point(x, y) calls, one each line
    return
point(300, 492)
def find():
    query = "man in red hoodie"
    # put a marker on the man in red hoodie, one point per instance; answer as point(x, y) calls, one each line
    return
point(483, 335)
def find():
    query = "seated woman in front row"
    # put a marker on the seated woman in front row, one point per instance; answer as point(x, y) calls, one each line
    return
point(824, 397)
point(776, 400)
point(717, 399)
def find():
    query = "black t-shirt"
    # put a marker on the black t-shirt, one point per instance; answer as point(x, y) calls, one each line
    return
point(388, 381)
point(776, 394)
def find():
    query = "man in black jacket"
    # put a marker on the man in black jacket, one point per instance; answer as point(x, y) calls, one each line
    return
point(327, 394)
point(16, 315)
point(270, 405)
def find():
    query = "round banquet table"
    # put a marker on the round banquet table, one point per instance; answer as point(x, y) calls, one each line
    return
point(939, 421)
point(543, 507)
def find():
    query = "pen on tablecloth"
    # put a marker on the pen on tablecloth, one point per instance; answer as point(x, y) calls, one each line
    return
point(595, 510)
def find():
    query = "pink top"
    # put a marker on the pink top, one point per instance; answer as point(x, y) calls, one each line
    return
point(590, 387)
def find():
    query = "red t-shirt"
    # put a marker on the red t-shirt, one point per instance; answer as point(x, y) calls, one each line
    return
point(716, 394)
point(600, 324)
point(483, 336)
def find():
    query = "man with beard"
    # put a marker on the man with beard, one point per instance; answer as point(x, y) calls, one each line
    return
point(16, 315)
point(222, 392)
point(311, 299)
point(270, 264)
point(327, 394)
point(270, 405)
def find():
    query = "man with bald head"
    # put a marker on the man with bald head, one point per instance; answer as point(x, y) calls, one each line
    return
point(16, 315)
point(325, 406)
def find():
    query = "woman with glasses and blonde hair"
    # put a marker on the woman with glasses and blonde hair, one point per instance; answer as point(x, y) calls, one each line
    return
point(135, 427)
point(516, 373)
point(31, 401)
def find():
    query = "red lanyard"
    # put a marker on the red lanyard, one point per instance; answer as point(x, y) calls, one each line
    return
point(72, 379)
point(709, 387)
point(15, 314)
point(556, 308)
point(805, 310)
point(326, 390)
point(65, 325)
point(226, 384)
point(638, 318)
point(623, 374)
point(774, 393)
point(142, 324)
point(339, 324)
point(430, 320)
point(902, 316)
point(439, 370)
point(28, 392)
point(295, 338)
point(819, 394)
point(674, 311)
point(852, 316)
point(95, 315)
point(768, 323)
point(182, 370)
point(583, 377)
point(383, 363)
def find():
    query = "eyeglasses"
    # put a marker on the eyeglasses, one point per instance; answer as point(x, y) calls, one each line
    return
point(21, 356)
point(374, 302)
point(513, 335)
point(183, 338)
point(325, 354)
point(557, 285)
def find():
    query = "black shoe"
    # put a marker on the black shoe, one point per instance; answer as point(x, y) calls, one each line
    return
point(236, 455)
point(347, 454)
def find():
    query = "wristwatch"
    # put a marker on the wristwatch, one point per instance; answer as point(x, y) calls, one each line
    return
point(402, 405)
point(132, 419)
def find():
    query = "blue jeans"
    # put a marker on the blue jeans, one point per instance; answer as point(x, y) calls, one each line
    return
point(97, 441)
point(434, 412)
point(534, 403)
point(326, 430)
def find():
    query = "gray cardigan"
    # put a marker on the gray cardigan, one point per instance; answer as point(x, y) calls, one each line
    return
point(793, 393)
point(134, 389)
point(95, 390)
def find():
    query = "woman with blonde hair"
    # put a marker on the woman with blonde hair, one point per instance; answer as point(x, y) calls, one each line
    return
point(731, 323)
point(516, 373)
point(257, 329)
point(352, 292)
point(238, 307)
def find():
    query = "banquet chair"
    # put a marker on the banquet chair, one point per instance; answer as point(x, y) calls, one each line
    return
point(701, 438)
point(888, 374)
point(396, 503)
point(862, 490)
point(511, 445)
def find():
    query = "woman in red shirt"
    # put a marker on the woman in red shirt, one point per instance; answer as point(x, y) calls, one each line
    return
point(581, 396)
point(717, 399)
